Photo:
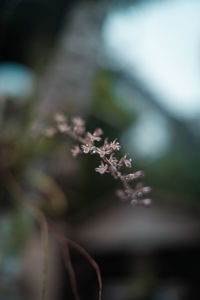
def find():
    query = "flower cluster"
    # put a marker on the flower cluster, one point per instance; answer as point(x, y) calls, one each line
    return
point(107, 152)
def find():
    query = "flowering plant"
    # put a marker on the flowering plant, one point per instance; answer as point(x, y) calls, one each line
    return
point(107, 152)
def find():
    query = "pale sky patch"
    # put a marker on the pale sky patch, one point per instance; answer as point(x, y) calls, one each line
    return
point(159, 42)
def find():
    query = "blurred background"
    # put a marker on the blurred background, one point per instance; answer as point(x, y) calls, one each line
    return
point(132, 68)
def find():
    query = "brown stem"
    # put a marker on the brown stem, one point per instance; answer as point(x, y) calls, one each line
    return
point(63, 240)
point(92, 262)
point(69, 266)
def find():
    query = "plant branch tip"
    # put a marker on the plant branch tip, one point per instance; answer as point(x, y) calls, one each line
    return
point(109, 162)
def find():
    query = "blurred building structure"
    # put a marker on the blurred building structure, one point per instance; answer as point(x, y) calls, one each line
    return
point(157, 247)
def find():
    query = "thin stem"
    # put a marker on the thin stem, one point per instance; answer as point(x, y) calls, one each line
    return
point(92, 262)
point(63, 240)
point(69, 266)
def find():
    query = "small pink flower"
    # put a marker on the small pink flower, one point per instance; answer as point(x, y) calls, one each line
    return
point(92, 137)
point(102, 168)
point(115, 145)
point(128, 162)
point(87, 148)
point(103, 152)
point(106, 145)
point(125, 161)
point(113, 160)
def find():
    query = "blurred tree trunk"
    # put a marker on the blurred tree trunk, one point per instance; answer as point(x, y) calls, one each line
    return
point(67, 82)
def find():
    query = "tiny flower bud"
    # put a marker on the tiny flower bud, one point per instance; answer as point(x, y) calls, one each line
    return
point(139, 174)
point(113, 160)
point(98, 132)
point(146, 189)
point(92, 137)
point(86, 148)
point(133, 202)
point(115, 145)
point(146, 202)
point(139, 194)
point(129, 177)
point(132, 176)
point(127, 162)
point(102, 168)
